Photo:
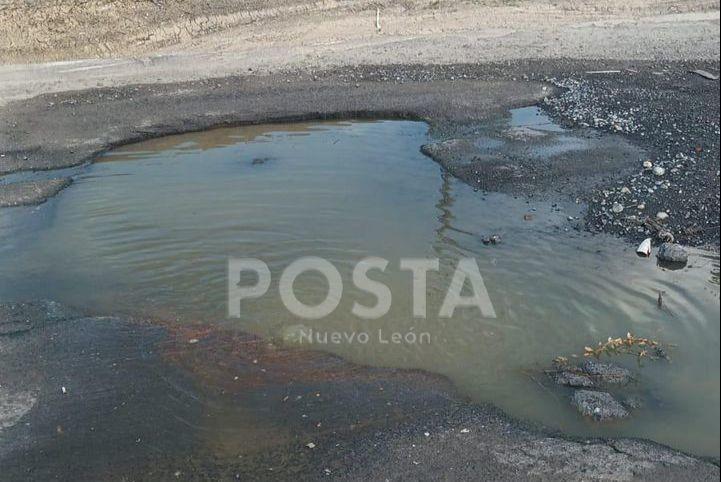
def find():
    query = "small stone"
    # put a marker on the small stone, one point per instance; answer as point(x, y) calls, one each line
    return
point(659, 171)
point(617, 208)
point(647, 164)
point(601, 406)
point(493, 239)
point(672, 253)
point(625, 190)
point(662, 215)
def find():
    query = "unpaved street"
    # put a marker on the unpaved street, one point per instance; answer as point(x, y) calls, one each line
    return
point(115, 43)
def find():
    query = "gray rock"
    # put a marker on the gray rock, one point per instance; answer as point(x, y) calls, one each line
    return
point(569, 378)
point(672, 253)
point(601, 406)
point(659, 171)
point(493, 239)
point(607, 373)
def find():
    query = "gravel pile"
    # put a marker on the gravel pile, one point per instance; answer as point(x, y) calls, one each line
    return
point(674, 115)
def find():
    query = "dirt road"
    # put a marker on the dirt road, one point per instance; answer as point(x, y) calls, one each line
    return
point(102, 43)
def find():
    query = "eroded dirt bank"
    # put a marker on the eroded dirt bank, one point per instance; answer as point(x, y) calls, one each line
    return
point(266, 34)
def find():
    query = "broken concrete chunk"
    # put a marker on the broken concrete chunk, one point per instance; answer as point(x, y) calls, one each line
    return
point(573, 379)
point(601, 406)
point(606, 372)
point(672, 253)
point(30, 193)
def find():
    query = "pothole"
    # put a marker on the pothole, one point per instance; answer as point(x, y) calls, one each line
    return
point(150, 227)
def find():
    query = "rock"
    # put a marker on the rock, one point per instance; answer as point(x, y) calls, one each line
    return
point(607, 373)
point(666, 236)
point(659, 171)
point(617, 208)
point(493, 239)
point(569, 378)
point(662, 216)
point(647, 164)
point(672, 253)
point(601, 406)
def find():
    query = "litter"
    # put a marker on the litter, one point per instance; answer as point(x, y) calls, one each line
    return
point(645, 248)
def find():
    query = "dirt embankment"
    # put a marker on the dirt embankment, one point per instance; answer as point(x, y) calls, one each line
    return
point(44, 30)
point(53, 30)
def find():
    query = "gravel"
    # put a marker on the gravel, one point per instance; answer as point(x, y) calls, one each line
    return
point(674, 115)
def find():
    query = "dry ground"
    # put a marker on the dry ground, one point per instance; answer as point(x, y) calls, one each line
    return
point(124, 42)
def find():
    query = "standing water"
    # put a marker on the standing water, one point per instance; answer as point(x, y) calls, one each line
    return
point(149, 230)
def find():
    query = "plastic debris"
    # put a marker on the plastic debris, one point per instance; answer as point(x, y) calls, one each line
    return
point(644, 248)
point(705, 74)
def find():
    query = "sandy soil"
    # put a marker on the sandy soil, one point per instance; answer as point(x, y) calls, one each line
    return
point(50, 30)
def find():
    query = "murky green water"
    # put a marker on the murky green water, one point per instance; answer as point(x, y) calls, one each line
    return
point(151, 227)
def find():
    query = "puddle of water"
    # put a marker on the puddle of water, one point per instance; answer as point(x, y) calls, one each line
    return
point(149, 229)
